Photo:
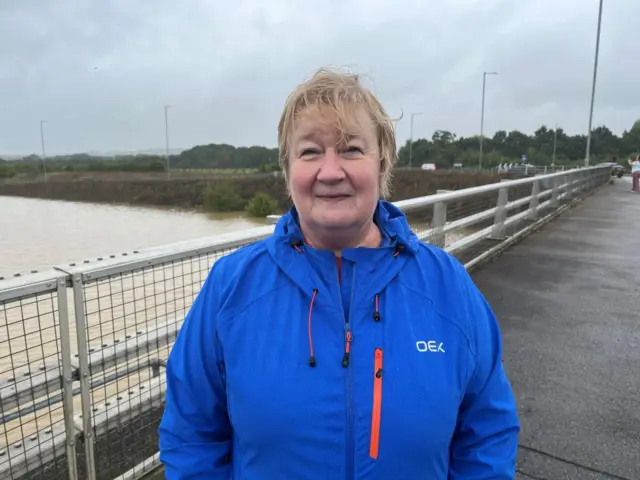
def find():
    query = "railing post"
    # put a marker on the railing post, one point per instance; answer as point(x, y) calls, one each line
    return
point(438, 221)
point(580, 183)
point(554, 192)
point(573, 189)
point(567, 190)
point(588, 181)
point(576, 184)
point(155, 369)
point(83, 359)
point(586, 186)
point(533, 204)
point(498, 230)
point(67, 377)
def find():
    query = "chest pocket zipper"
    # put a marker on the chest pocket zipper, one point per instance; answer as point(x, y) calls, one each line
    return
point(377, 405)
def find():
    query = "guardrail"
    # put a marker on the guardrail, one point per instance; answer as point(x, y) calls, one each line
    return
point(81, 389)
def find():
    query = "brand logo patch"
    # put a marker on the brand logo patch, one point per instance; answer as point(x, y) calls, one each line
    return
point(430, 346)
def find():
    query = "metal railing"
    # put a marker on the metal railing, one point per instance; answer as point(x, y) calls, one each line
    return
point(83, 346)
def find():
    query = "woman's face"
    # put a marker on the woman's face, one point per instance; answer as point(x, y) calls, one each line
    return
point(334, 178)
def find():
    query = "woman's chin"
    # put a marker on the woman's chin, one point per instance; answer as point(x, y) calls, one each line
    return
point(336, 220)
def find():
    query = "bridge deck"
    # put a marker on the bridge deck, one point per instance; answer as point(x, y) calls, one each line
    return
point(568, 301)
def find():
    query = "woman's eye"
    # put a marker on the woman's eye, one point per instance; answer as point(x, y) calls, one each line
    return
point(353, 149)
point(308, 152)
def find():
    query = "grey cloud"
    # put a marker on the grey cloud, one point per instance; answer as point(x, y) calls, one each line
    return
point(101, 73)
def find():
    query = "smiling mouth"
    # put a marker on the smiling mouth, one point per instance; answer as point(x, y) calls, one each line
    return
point(333, 197)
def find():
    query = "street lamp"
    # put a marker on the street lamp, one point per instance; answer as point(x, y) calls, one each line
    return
point(411, 139)
point(484, 83)
point(593, 87)
point(44, 156)
point(555, 141)
point(166, 137)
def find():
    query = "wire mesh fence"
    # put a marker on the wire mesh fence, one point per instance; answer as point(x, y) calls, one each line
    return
point(32, 413)
point(131, 318)
point(93, 412)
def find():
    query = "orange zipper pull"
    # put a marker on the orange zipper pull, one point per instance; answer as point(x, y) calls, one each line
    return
point(378, 363)
point(347, 349)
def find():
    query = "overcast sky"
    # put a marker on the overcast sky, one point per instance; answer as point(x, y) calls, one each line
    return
point(100, 73)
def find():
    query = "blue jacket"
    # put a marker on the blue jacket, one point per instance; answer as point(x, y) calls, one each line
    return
point(280, 371)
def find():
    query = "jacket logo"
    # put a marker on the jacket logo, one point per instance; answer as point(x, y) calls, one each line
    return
point(430, 346)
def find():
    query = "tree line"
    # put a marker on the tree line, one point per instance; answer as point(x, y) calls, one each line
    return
point(444, 148)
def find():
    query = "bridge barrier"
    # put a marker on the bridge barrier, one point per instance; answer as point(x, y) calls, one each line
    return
point(84, 345)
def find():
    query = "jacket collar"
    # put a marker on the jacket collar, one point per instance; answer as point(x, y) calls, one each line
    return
point(391, 221)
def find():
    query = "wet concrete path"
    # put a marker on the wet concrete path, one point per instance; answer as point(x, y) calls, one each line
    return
point(568, 302)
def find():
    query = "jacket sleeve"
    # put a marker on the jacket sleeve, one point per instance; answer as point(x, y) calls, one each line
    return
point(485, 442)
point(195, 431)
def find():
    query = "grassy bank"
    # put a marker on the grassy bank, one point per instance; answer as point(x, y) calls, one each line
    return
point(211, 192)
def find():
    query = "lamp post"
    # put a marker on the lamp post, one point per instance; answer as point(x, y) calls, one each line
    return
point(411, 139)
point(484, 84)
point(555, 141)
point(44, 156)
point(593, 86)
point(166, 138)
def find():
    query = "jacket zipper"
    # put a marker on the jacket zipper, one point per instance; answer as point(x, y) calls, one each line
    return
point(349, 377)
point(348, 338)
point(377, 405)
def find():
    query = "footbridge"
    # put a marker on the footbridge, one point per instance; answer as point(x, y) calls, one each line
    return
point(83, 346)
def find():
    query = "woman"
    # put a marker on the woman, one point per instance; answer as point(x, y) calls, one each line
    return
point(635, 174)
point(341, 346)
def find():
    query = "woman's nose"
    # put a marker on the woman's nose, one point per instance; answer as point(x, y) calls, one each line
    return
point(331, 168)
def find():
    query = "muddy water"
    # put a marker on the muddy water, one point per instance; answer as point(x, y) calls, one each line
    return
point(36, 234)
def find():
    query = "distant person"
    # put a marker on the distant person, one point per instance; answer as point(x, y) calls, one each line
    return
point(635, 174)
point(341, 346)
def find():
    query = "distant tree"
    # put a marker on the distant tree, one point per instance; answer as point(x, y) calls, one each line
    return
point(262, 205)
point(444, 148)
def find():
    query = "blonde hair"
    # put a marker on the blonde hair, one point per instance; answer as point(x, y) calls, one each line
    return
point(342, 93)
